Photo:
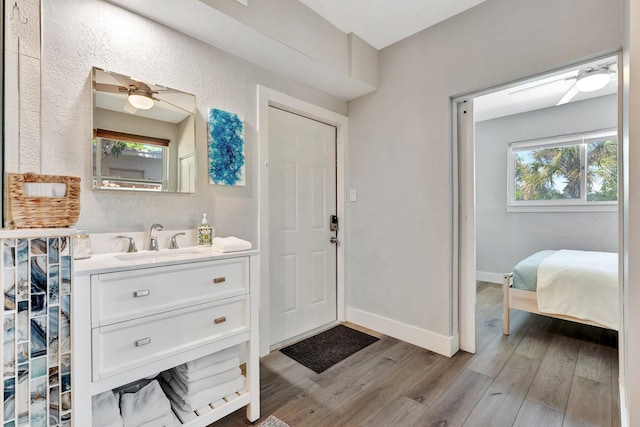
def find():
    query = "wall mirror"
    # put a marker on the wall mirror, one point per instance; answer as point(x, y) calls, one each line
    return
point(143, 135)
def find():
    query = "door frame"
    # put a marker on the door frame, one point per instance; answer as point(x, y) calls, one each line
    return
point(272, 98)
point(464, 223)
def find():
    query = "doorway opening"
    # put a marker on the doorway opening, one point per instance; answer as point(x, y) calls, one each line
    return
point(533, 175)
point(529, 175)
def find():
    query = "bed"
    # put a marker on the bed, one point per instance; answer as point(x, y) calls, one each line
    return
point(580, 286)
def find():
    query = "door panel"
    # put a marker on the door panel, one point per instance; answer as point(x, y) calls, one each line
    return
point(302, 176)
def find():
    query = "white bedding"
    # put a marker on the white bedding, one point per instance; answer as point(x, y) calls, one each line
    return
point(580, 284)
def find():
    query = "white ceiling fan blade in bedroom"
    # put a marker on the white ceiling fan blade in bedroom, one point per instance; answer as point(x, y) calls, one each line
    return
point(568, 96)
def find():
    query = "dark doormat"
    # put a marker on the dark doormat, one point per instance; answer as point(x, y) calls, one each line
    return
point(322, 351)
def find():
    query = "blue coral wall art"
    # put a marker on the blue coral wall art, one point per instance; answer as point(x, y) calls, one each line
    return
point(226, 148)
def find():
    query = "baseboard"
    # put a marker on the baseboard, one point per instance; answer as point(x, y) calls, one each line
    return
point(447, 346)
point(485, 276)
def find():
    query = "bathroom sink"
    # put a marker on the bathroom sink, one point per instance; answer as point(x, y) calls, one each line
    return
point(156, 256)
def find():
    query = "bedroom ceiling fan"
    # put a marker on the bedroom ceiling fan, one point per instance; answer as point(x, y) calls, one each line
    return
point(588, 79)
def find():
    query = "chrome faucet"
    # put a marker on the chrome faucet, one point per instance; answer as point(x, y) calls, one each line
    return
point(132, 243)
point(153, 236)
point(174, 241)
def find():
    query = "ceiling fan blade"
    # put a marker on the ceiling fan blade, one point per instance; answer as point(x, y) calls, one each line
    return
point(540, 84)
point(568, 96)
point(105, 87)
point(173, 105)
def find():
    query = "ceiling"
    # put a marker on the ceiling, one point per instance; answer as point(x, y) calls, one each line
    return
point(384, 22)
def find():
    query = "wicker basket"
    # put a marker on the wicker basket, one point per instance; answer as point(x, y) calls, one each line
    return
point(42, 212)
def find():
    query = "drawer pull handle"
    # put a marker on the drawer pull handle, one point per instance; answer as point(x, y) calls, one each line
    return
point(219, 280)
point(220, 320)
point(142, 293)
point(143, 341)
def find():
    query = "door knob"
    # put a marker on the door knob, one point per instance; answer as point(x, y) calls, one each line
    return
point(334, 240)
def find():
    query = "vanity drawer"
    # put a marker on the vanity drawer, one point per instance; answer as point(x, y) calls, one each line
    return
point(127, 295)
point(129, 345)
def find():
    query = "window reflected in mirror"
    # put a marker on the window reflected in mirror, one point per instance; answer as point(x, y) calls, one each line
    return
point(143, 135)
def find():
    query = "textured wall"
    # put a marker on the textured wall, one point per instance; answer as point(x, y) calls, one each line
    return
point(79, 34)
point(504, 238)
point(400, 253)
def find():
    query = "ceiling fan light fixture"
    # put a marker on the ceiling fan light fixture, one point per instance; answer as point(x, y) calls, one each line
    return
point(590, 81)
point(140, 101)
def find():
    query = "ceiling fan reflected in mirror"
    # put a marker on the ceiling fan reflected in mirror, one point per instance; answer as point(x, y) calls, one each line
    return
point(140, 96)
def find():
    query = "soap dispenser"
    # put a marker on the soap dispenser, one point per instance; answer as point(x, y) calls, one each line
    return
point(205, 232)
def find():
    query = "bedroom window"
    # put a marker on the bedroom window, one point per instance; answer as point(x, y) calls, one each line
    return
point(568, 173)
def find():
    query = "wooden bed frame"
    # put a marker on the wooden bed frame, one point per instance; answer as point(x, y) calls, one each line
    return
point(527, 301)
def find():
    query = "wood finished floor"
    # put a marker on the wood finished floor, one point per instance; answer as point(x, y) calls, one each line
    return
point(546, 373)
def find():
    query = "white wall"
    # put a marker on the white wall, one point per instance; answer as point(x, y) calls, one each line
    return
point(504, 238)
point(400, 250)
point(79, 34)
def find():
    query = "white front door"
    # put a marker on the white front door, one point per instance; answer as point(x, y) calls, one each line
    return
point(302, 188)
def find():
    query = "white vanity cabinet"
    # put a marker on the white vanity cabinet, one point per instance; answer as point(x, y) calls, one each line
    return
point(135, 319)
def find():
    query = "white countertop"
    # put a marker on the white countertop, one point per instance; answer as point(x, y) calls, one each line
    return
point(120, 261)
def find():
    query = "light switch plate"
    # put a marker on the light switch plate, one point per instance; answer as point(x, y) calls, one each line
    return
point(352, 195)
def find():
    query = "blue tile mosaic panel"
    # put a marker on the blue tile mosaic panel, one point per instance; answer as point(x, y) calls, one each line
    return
point(36, 339)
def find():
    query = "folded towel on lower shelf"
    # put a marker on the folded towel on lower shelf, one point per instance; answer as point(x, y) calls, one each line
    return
point(210, 359)
point(167, 420)
point(191, 402)
point(187, 375)
point(145, 405)
point(105, 411)
point(229, 244)
point(191, 387)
